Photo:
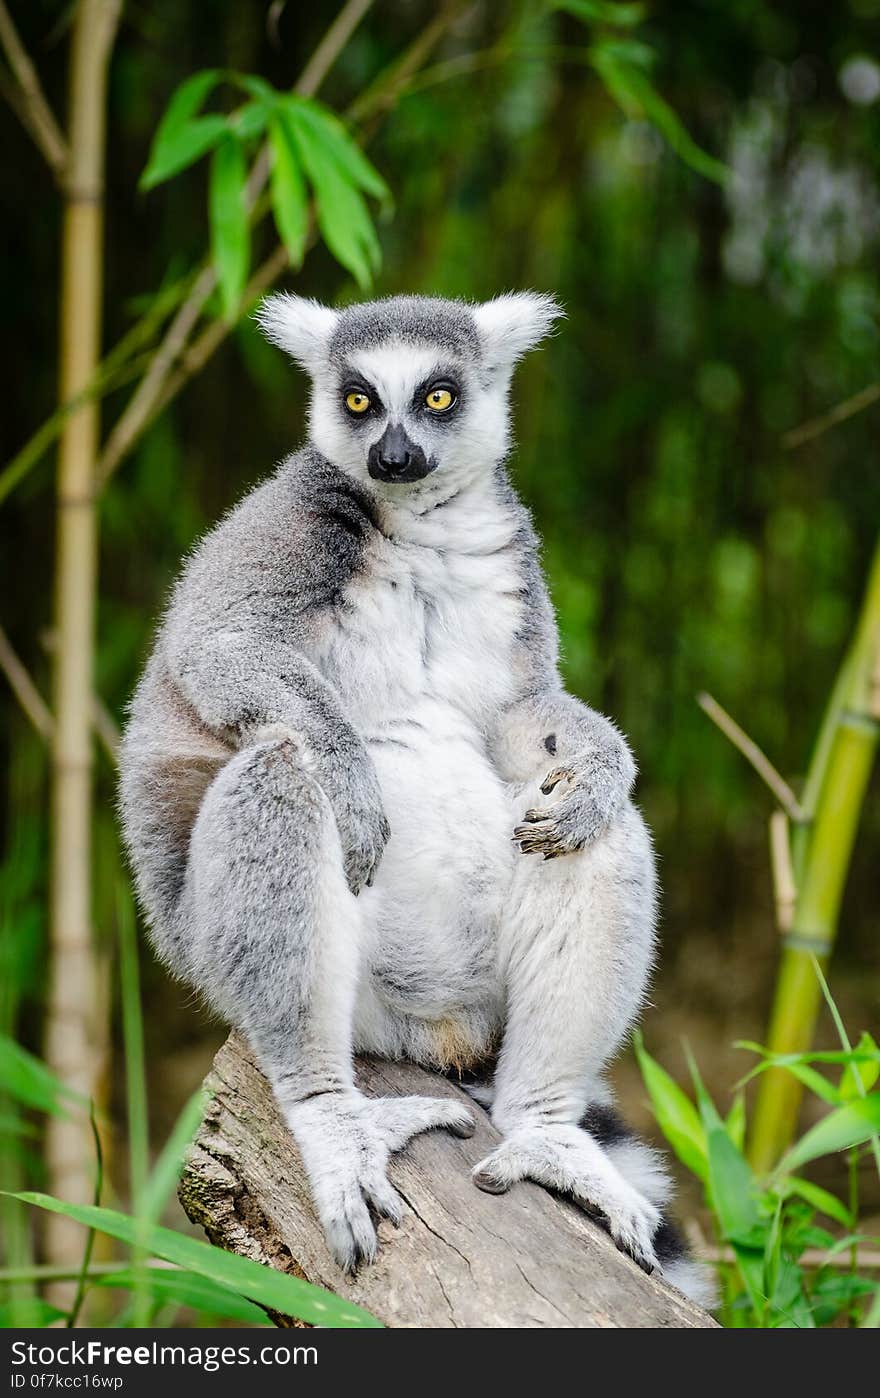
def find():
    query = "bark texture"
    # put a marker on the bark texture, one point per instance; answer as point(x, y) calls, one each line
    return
point(461, 1258)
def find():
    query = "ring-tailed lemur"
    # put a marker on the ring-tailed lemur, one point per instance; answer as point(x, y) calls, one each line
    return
point(364, 814)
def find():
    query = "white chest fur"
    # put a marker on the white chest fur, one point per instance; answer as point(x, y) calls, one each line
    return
point(430, 619)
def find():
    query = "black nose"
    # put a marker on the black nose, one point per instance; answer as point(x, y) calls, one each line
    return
point(395, 457)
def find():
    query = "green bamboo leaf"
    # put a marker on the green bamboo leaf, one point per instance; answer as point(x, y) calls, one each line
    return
point(251, 120)
point(180, 140)
point(277, 1290)
point(675, 1112)
point(820, 1199)
point(835, 1292)
point(257, 88)
point(782, 1060)
point(750, 1265)
point(735, 1121)
point(708, 1111)
point(810, 1078)
point(629, 85)
point(230, 229)
point(329, 133)
point(624, 16)
point(12, 1125)
point(789, 1308)
point(187, 99)
point(343, 217)
point(29, 1081)
point(773, 1255)
point(841, 1129)
point(290, 200)
point(872, 1315)
point(732, 1188)
point(184, 148)
point(186, 1289)
point(835, 1246)
point(860, 1075)
point(29, 1312)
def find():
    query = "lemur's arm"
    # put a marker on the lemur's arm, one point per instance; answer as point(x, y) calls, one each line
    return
point(234, 645)
point(245, 688)
point(549, 733)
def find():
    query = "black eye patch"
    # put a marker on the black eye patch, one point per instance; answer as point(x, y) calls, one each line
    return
point(438, 397)
point(358, 399)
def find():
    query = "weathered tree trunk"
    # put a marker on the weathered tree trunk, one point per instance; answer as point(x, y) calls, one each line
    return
point(461, 1258)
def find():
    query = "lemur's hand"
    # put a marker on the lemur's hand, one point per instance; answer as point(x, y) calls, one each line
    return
point(363, 827)
point(598, 783)
point(346, 1141)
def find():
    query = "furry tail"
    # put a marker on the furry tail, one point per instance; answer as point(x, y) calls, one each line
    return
point(644, 1168)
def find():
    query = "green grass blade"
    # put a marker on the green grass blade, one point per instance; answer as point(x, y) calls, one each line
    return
point(278, 1291)
point(133, 1042)
point(29, 1081)
point(820, 1199)
point(846, 1126)
point(735, 1121)
point(29, 1312)
point(676, 1114)
point(169, 1284)
point(82, 1279)
point(166, 1170)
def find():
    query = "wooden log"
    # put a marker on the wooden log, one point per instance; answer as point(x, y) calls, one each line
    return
point(461, 1258)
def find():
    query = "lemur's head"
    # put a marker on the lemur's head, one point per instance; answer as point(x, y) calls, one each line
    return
point(410, 387)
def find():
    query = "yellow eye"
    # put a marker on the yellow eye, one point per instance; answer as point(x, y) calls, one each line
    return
point(439, 400)
point(357, 402)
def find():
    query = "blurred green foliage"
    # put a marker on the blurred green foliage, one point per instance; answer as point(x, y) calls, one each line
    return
point(686, 548)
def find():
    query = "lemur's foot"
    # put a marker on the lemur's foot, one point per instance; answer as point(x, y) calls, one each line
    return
point(567, 1159)
point(345, 1141)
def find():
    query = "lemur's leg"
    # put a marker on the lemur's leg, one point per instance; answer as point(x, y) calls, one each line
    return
point(577, 945)
point(275, 936)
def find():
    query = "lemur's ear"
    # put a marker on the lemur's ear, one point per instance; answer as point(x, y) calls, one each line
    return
point(511, 325)
point(301, 326)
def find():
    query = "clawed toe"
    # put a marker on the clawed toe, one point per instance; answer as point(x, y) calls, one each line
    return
point(461, 1124)
point(489, 1183)
point(538, 837)
point(385, 1200)
point(552, 779)
point(351, 1236)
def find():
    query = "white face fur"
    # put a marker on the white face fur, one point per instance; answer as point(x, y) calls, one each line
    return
point(434, 415)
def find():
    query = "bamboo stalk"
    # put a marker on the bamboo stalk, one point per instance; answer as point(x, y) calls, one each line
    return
point(838, 793)
point(35, 708)
point(753, 754)
point(29, 697)
point(75, 1035)
point(784, 885)
point(865, 398)
point(33, 109)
